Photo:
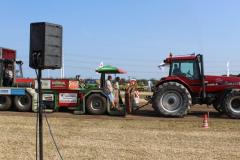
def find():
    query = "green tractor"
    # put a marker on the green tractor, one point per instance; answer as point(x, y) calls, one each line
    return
point(94, 100)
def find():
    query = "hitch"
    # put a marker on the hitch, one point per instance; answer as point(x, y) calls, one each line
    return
point(149, 101)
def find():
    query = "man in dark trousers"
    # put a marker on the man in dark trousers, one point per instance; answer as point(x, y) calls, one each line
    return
point(8, 75)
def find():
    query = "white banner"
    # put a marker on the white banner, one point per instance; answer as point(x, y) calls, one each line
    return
point(46, 84)
point(5, 91)
point(47, 97)
point(67, 97)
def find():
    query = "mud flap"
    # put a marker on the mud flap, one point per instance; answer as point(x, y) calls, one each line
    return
point(34, 96)
point(79, 110)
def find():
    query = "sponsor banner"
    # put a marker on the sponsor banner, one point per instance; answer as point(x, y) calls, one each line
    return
point(46, 84)
point(73, 84)
point(65, 98)
point(59, 84)
point(15, 91)
point(47, 97)
point(18, 92)
point(5, 91)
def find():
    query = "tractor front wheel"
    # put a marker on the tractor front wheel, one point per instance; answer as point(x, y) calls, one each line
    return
point(96, 104)
point(172, 99)
point(232, 104)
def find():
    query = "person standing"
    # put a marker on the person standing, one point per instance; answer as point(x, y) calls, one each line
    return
point(149, 86)
point(109, 90)
point(116, 91)
point(8, 76)
point(116, 83)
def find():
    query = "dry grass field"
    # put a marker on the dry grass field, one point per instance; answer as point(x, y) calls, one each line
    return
point(134, 137)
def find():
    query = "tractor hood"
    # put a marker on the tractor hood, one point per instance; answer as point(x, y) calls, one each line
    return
point(220, 80)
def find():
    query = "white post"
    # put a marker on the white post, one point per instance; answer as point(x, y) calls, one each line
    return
point(62, 69)
point(228, 70)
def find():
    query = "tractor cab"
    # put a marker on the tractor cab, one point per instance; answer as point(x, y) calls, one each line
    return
point(189, 66)
point(7, 67)
point(10, 69)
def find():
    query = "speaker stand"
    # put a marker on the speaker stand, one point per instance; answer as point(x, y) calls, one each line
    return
point(40, 111)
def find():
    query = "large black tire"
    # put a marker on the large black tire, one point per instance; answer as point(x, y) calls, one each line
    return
point(23, 103)
point(96, 104)
point(5, 103)
point(232, 104)
point(172, 99)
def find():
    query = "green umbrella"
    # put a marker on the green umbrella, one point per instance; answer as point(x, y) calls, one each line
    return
point(109, 69)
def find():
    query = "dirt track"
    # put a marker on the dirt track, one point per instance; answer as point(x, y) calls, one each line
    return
point(147, 112)
point(143, 135)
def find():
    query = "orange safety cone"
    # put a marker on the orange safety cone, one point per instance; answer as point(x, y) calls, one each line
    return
point(205, 121)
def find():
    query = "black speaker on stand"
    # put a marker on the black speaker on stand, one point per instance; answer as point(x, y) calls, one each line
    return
point(45, 53)
point(45, 46)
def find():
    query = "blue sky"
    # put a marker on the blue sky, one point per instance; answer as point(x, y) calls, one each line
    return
point(133, 34)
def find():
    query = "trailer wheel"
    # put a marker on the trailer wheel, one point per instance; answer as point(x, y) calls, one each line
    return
point(96, 104)
point(172, 99)
point(23, 103)
point(232, 104)
point(5, 102)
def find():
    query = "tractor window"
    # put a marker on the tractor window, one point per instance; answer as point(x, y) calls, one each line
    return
point(188, 69)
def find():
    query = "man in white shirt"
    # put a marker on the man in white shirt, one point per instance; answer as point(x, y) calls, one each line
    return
point(109, 91)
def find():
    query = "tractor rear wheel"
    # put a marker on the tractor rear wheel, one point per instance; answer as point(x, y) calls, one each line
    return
point(172, 99)
point(23, 103)
point(96, 104)
point(232, 104)
point(5, 102)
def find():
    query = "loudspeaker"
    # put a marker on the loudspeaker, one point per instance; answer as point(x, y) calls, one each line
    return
point(45, 46)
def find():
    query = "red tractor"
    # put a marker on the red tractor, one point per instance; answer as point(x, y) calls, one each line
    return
point(187, 85)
